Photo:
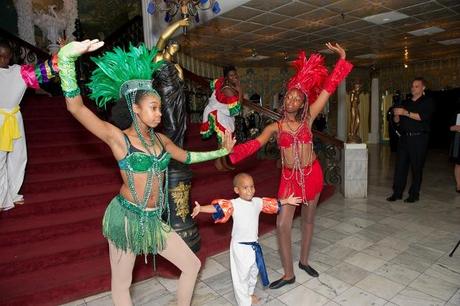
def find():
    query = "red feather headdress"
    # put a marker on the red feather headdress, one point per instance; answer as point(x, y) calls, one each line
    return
point(310, 75)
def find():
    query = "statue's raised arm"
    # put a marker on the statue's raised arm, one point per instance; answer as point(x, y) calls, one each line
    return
point(166, 35)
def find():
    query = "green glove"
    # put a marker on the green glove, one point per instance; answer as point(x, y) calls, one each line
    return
point(66, 63)
point(198, 157)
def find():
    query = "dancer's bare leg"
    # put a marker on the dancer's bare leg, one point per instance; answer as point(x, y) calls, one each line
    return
point(306, 227)
point(284, 227)
point(121, 264)
point(178, 253)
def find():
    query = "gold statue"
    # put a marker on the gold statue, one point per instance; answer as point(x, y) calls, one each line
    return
point(353, 136)
point(169, 82)
point(166, 51)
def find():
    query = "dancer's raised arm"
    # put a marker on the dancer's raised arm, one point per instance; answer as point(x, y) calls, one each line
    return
point(67, 57)
point(341, 70)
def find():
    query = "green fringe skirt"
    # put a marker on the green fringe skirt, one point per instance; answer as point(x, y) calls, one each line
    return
point(131, 228)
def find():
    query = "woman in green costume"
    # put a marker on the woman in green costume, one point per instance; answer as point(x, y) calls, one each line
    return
point(132, 222)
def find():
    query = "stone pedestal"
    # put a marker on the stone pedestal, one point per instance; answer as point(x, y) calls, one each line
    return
point(354, 170)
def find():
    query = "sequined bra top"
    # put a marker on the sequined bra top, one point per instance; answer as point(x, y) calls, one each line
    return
point(138, 161)
point(286, 138)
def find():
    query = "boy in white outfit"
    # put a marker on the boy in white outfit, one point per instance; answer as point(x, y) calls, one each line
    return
point(246, 259)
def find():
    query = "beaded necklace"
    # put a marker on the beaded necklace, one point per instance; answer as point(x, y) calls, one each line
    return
point(298, 170)
point(155, 171)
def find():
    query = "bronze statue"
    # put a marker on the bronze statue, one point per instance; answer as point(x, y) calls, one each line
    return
point(353, 131)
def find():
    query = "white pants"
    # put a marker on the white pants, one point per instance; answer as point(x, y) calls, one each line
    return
point(244, 272)
point(12, 169)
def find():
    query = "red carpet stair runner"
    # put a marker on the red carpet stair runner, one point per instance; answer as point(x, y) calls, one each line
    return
point(51, 249)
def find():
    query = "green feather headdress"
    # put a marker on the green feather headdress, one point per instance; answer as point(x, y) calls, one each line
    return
point(120, 73)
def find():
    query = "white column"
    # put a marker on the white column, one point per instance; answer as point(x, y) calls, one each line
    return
point(70, 8)
point(374, 135)
point(25, 20)
point(147, 23)
point(342, 111)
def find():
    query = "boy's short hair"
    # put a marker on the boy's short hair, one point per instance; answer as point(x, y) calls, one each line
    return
point(238, 177)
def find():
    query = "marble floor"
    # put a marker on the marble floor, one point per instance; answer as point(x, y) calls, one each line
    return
point(368, 252)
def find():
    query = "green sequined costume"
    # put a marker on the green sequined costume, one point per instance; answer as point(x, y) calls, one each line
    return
point(131, 226)
point(134, 226)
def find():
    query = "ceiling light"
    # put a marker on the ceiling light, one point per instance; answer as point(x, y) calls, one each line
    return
point(426, 31)
point(368, 55)
point(405, 66)
point(385, 17)
point(455, 41)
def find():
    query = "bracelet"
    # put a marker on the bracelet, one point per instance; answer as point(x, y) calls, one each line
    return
point(279, 205)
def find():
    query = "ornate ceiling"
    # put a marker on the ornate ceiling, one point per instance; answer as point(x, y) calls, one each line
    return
point(270, 32)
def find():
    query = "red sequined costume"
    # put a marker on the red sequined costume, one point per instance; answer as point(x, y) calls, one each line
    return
point(305, 182)
point(304, 179)
point(219, 114)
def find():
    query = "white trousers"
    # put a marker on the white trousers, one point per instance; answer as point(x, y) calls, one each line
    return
point(244, 272)
point(12, 169)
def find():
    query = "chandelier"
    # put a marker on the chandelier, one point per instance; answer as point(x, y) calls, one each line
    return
point(187, 8)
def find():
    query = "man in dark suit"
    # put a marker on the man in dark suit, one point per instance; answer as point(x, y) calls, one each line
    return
point(413, 118)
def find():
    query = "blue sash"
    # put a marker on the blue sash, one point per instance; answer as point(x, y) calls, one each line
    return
point(259, 261)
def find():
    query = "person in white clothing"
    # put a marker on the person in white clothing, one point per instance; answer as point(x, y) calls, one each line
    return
point(14, 81)
point(246, 259)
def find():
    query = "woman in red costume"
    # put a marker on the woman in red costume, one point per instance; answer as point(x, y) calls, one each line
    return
point(301, 174)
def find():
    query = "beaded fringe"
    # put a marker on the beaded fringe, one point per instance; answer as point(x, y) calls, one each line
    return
point(129, 227)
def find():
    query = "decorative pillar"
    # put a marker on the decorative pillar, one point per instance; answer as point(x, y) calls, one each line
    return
point(70, 8)
point(25, 20)
point(180, 183)
point(147, 23)
point(342, 111)
point(374, 135)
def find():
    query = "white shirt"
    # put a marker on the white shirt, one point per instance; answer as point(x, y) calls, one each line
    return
point(246, 219)
point(12, 87)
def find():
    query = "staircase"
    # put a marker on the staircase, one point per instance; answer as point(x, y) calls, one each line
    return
point(51, 248)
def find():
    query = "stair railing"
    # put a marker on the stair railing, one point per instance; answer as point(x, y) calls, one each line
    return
point(129, 33)
point(23, 52)
point(253, 119)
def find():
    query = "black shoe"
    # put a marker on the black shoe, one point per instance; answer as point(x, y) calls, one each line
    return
point(312, 272)
point(281, 282)
point(393, 198)
point(411, 199)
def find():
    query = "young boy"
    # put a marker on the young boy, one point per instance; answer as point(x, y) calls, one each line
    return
point(246, 259)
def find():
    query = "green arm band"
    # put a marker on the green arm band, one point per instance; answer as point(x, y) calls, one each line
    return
point(66, 63)
point(198, 157)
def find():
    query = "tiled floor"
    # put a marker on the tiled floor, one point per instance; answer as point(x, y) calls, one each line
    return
point(368, 252)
